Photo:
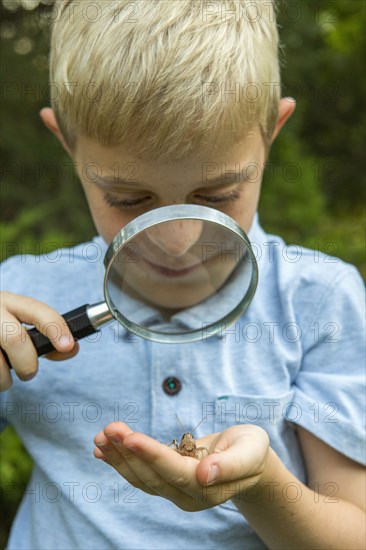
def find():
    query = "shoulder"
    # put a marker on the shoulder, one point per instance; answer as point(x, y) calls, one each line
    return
point(304, 285)
point(306, 275)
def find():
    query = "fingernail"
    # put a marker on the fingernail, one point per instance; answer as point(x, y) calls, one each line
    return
point(102, 458)
point(28, 376)
point(114, 438)
point(213, 473)
point(64, 341)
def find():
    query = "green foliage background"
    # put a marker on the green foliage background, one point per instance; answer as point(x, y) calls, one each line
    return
point(314, 186)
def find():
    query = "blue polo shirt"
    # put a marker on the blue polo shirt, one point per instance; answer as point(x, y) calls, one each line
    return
point(296, 357)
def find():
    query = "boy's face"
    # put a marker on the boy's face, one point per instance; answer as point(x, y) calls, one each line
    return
point(120, 186)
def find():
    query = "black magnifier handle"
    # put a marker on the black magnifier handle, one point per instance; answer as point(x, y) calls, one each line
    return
point(82, 322)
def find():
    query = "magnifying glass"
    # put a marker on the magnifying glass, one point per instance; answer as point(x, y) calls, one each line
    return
point(179, 273)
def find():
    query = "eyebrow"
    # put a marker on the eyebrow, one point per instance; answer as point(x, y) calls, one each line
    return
point(227, 178)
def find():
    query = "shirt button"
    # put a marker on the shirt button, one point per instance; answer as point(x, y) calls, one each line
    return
point(172, 385)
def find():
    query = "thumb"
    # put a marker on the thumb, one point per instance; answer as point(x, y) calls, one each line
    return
point(239, 452)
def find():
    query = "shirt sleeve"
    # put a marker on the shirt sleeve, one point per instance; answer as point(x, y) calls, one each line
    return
point(12, 275)
point(329, 389)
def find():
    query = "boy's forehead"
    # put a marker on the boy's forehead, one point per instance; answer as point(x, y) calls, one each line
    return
point(250, 149)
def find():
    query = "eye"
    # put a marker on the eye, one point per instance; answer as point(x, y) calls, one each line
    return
point(115, 202)
point(218, 199)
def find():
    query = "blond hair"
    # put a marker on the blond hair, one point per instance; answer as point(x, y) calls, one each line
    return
point(164, 77)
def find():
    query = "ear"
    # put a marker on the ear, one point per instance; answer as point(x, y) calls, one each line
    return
point(48, 117)
point(286, 108)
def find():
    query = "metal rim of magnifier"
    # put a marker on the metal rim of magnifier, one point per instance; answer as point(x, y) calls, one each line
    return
point(173, 213)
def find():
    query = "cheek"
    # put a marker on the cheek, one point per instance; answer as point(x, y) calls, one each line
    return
point(107, 220)
point(243, 210)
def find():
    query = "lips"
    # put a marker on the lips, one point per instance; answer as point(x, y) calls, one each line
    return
point(172, 272)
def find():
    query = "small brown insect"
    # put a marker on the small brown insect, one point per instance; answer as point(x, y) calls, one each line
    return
point(188, 446)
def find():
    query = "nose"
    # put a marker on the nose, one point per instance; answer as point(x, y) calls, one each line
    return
point(175, 237)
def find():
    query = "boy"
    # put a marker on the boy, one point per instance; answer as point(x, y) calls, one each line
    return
point(144, 102)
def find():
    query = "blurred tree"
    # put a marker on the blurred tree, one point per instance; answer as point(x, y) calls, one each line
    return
point(37, 176)
point(331, 86)
point(321, 204)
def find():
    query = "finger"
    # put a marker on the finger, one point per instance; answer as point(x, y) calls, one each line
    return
point(118, 430)
point(105, 450)
point(48, 321)
point(239, 453)
point(110, 441)
point(5, 378)
point(58, 356)
point(141, 474)
point(123, 469)
point(169, 481)
point(118, 433)
point(175, 469)
point(99, 455)
point(18, 346)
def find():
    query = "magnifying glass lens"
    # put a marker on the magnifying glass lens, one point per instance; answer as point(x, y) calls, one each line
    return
point(179, 274)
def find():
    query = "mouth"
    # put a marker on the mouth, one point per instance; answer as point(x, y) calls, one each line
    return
point(169, 271)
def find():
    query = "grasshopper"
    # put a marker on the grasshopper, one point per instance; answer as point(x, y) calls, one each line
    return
point(188, 446)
